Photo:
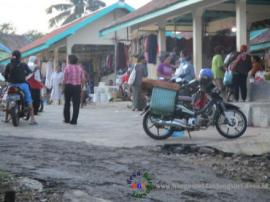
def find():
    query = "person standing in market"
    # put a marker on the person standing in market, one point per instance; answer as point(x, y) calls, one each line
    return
point(141, 72)
point(57, 85)
point(73, 82)
point(35, 82)
point(257, 65)
point(164, 69)
point(241, 68)
point(48, 77)
point(185, 71)
point(218, 69)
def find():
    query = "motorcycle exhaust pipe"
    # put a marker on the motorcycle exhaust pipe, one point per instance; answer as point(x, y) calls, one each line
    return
point(174, 123)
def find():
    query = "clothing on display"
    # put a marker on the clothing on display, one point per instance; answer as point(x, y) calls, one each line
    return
point(152, 48)
point(121, 56)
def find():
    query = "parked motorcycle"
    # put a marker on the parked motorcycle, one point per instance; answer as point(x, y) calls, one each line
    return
point(15, 106)
point(163, 116)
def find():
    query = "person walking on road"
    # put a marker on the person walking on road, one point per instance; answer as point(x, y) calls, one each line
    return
point(73, 82)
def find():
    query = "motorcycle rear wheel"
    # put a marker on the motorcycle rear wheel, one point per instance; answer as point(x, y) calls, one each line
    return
point(14, 116)
point(158, 132)
point(239, 124)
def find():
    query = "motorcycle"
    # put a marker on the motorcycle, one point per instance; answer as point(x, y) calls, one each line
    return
point(15, 106)
point(228, 119)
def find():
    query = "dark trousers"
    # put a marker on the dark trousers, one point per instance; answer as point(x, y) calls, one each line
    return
point(72, 93)
point(36, 99)
point(240, 83)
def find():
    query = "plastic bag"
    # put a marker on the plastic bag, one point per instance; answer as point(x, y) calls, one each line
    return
point(228, 78)
point(132, 77)
point(259, 76)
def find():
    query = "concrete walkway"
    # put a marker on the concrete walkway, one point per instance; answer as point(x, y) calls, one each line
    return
point(115, 125)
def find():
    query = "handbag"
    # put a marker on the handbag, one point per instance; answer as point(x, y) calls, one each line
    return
point(34, 84)
point(132, 76)
point(228, 78)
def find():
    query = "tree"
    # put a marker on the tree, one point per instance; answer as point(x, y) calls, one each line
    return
point(33, 35)
point(7, 28)
point(73, 10)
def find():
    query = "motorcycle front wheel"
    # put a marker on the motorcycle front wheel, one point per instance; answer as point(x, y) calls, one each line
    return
point(153, 130)
point(234, 128)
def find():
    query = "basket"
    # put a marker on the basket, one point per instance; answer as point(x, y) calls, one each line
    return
point(163, 101)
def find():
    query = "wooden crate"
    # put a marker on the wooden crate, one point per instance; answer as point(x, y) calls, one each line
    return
point(149, 84)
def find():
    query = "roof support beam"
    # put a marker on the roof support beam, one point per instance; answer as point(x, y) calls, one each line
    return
point(259, 9)
point(241, 23)
point(197, 39)
point(174, 10)
point(161, 40)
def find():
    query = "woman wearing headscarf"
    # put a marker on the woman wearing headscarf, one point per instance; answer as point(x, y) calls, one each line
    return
point(35, 82)
point(15, 74)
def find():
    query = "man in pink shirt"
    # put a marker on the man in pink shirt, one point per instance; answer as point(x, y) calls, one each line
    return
point(73, 81)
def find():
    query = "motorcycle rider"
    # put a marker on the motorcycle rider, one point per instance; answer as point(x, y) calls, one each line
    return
point(15, 74)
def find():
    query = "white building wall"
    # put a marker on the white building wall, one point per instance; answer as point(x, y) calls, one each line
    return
point(90, 33)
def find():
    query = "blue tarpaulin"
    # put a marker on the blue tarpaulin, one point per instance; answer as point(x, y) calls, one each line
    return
point(4, 48)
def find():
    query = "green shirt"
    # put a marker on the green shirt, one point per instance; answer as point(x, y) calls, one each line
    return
point(217, 64)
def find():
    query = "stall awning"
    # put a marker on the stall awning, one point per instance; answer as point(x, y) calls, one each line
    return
point(155, 9)
point(260, 40)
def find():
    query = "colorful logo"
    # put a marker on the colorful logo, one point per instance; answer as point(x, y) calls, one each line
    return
point(140, 184)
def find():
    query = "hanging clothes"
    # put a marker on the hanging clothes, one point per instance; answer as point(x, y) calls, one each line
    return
point(109, 62)
point(152, 48)
point(121, 61)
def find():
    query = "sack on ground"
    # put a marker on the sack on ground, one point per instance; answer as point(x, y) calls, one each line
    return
point(228, 78)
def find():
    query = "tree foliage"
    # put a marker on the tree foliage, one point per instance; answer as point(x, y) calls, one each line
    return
point(75, 9)
point(7, 28)
point(33, 35)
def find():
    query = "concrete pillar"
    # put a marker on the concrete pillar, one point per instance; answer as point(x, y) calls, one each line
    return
point(162, 40)
point(197, 39)
point(69, 50)
point(241, 23)
point(55, 57)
